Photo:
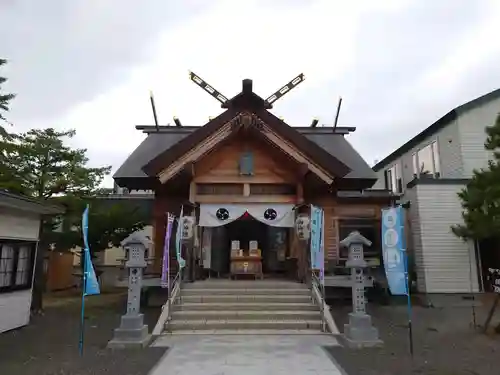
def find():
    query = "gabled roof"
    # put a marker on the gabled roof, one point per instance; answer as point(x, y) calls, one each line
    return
point(157, 141)
point(247, 100)
point(327, 161)
point(436, 126)
point(325, 146)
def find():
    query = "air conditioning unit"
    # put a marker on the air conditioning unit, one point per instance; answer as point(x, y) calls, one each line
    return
point(303, 227)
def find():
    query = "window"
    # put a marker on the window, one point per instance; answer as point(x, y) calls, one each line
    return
point(415, 165)
point(393, 179)
point(426, 162)
point(246, 164)
point(16, 265)
point(369, 228)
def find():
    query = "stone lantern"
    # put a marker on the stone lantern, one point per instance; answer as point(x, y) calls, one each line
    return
point(132, 331)
point(359, 332)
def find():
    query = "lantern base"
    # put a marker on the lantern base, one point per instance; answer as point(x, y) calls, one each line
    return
point(132, 333)
point(360, 333)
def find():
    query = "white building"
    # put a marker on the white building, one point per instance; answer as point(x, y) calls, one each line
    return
point(19, 233)
point(429, 170)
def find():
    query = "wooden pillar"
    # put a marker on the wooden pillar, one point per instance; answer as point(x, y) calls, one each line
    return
point(159, 221)
point(300, 193)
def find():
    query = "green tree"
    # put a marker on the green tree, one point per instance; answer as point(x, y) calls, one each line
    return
point(481, 197)
point(4, 103)
point(109, 223)
point(41, 165)
point(5, 136)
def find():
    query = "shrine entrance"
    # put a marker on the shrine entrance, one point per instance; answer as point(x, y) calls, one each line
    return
point(246, 248)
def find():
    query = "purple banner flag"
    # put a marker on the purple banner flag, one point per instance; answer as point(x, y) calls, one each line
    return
point(165, 271)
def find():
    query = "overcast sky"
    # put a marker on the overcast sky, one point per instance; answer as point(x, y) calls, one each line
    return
point(398, 64)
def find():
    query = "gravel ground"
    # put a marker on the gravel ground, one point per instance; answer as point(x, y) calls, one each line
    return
point(49, 345)
point(445, 343)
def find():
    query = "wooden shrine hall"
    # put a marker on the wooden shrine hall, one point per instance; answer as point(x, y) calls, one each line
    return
point(245, 176)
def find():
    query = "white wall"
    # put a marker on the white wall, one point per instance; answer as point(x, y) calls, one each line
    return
point(14, 310)
point(15, 306)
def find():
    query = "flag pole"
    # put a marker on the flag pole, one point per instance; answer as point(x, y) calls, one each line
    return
point(82, 313)
point(408, 295)
point(407, 282)
point(90, 284)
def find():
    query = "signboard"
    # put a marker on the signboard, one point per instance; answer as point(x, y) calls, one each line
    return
point(317, 240)
point(394, 251)
point(494, 277)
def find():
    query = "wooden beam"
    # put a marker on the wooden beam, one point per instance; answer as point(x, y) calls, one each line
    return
point(246, 190)
point(302, 170)
point(189, 169)
point(242, 179)
point(250, 199)
point(195, 153)
point(298, 156)
point(300, 193)
point(192, 192)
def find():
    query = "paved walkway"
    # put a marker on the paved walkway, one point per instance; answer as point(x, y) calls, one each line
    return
point(246, 354)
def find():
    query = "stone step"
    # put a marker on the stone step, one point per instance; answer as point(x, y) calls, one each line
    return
point(178, 325)
point(246, 315)
point(234, 298)
point(247, 332)
point(234, 291)
point(246, 306)
point(244, 284)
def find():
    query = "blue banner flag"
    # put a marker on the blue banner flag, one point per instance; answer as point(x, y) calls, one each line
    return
point(85, 227)
point(394, 250)
point(90, 284)
point(90, 279)
point(317, 256)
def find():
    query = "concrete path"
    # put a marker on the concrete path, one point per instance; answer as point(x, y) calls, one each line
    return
point(246, 354)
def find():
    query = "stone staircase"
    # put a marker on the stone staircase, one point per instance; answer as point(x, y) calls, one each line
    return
point(256, 307)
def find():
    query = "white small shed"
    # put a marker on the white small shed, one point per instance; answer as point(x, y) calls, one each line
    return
point(19, 233)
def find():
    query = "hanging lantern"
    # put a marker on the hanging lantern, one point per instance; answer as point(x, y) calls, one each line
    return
point(303, 226)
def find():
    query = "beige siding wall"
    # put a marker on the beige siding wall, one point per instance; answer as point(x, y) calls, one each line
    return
point(18, 225)
point(450, 158)
point(471, 125)
point(112, 256)
point(445, 262)
point(415, 244)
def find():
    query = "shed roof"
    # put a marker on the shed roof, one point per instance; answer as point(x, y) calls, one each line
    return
point(28, 204)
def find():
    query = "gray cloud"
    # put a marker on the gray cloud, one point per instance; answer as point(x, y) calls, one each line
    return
point(65, 52)
point(394, 53)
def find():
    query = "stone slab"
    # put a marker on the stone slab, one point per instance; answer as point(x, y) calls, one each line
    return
point(127, 344)
point(242, 355)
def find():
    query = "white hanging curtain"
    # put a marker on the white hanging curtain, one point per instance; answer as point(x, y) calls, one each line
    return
point(216, 215)
point(273, 214)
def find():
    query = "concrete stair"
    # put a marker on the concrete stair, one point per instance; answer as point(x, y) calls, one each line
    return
point(224, 306)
